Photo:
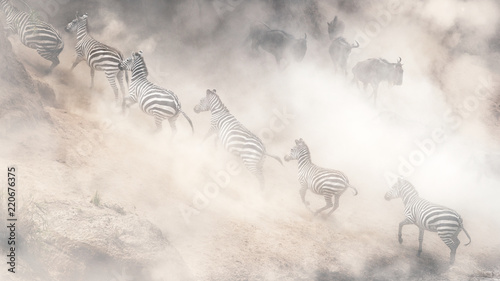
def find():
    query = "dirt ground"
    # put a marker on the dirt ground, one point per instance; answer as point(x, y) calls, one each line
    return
point(182, 209)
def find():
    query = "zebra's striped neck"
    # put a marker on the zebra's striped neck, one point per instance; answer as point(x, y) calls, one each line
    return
point(216, 105)
point(139, 69)
point(304, 158)
point(7, 7)
point(81, 30)
point(408, 193)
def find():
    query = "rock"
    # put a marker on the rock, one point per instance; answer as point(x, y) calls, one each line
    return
point(72, 240)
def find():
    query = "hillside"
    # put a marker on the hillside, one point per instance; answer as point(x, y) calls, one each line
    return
point(102, 197)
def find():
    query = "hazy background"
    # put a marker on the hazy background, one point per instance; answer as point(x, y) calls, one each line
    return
point(450, 51)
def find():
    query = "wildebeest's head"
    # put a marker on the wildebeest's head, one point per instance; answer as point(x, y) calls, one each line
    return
point(335, 28)
point(397, 73)
point(299, 48)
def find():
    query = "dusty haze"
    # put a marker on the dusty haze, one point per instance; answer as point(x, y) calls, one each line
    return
point(439, 130)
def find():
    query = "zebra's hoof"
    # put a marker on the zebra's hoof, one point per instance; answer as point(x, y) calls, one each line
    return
point(400, 240)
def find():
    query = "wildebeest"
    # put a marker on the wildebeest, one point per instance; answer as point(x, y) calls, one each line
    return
point(278, 43)
point(335, 28)
point(373, 71)
point(339, 52)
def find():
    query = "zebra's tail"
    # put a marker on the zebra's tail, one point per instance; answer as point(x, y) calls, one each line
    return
point(275, 157)
point(189, 120)
point(354, 190)
point(465, 231)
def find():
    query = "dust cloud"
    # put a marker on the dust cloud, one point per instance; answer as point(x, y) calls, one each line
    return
point(439, 130)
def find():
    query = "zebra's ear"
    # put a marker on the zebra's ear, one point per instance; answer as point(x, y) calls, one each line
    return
point(140, 53)
point(400, 180)
point(296, 141)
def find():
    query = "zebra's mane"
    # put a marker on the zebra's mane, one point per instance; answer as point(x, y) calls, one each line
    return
point(223, 106)
point(143, 63)
point(409, 185)
point(6, 4)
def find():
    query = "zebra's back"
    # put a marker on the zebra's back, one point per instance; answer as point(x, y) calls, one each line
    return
point(157, 101)
point(434, 217)
point(36, 34)
point(327, 180)
point(238, 140)
point(98, 55)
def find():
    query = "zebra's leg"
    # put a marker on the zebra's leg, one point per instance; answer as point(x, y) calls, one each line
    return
point(329, 204)
point(92, 72)
point(158, 123)
point(302, 192)
point(119, 76)
point(420, 240)
point(171, 121)
point(400, 233)
point(112, 81)
point(50, 56)
point(55, 62)
point(76, 62)
point(335, 206)
point(452, 243)
point(255, 167)
point(210, 132)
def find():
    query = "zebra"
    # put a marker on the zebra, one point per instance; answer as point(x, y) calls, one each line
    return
point(427, 216)
point(34, 33)
point(97, 55)
point(153, 100)
point(234, 136)
point(321, 181)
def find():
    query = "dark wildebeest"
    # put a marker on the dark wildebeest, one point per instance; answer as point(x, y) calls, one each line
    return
point(339, 52)
point(335, 28)
point(374, 71)
point(278, 43)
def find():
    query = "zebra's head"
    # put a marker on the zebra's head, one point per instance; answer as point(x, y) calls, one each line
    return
point(297, 150)
point(396, 189)
point(128, 63)
point(204, 104)
point(73, 25)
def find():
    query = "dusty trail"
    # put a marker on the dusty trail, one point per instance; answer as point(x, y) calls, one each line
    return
point(77, 144)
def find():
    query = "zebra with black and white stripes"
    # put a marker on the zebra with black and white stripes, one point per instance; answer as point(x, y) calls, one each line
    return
point(33, 32)
point(98, 56)
point(327, 182)
point(427, 216)
point(234, 136)
point(154, 100)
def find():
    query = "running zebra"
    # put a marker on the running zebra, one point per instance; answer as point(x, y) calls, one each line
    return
point(98, 56)
point(33, 32)
point(234, 136)
point(153, 100)
point(427, 216)
point(326, 182)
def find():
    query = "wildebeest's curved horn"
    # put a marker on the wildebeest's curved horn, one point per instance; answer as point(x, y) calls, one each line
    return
point(399, 60)
point(355, 46)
